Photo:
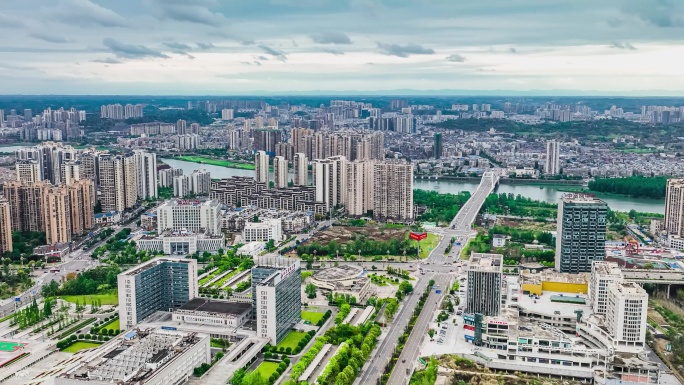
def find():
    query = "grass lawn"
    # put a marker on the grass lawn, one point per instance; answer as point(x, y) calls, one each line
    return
point(266, 368)
point(113, 325)
point(291, 340)
point(80, 345)
point(107, 299)
point(312, 316)
point(427, 244)
point(217, 162)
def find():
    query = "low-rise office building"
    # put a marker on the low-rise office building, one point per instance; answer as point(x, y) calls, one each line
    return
point(181, 242)
point(150, 357)
point(213, 312)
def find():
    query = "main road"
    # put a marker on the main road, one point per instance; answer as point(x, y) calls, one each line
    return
point(459, 228)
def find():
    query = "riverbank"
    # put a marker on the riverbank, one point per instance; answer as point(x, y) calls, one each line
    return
point(544, 182)
point(215, 162)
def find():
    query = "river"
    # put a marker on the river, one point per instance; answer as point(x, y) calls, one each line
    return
point(547, 193)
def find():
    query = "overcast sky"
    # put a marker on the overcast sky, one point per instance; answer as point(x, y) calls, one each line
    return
point(241, 46)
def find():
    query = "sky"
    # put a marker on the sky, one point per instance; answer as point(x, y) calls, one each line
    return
point(227, 47)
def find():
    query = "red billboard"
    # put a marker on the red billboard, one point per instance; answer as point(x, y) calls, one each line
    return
point(417, 236)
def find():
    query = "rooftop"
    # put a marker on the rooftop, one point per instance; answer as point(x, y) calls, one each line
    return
point(548, 275)
point(339, 273)
point(546, 304)
point(214, 306)
point(152, 263)
point(581, 198)
point(485, 262)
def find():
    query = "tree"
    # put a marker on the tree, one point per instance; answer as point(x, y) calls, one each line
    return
point(406, 287)
point(50, 289)
point(432, 333)
point(391, 308)
point(310, 290)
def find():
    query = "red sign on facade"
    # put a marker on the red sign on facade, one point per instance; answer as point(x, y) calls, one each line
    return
point(417, 236)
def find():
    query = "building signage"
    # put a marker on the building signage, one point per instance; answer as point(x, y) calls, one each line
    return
point(469, 338)
point(417, 236)
point(168, 328)
point(468, 317)
point(289, 270)
point(469, 327)
point(498, 322)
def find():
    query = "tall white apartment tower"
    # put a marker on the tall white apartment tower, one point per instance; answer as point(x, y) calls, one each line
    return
point(330, 180)
point(261, 167)
point(226, 114)
point(146, 174)
point(280, 171)
point(301, 169)
point(360, 192)
point(552, 166)
point(674, 207)
point(602, 275)
point(626, 313)
point(29, 171)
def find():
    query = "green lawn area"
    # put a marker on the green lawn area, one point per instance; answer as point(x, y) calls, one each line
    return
point(291, 340)
point(107, 299)
point(266, 368)
point(80, 345)
point(312, 316)
point(217, 162)
point(113, 325)
point(427, 244)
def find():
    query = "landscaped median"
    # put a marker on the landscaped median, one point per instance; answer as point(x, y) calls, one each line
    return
point(75, 343)
point(216, 162)
point(293, 343)
point(268, 371)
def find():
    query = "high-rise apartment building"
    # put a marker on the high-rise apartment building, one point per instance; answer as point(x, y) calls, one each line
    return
point(191, 215)
point(29, 171)
point(301, 170)
point(602, 274)
point(82, 197)
point(484, 284)
point(266, 139)
point(280, 172)
point(71, 171)
point(227, 114)
point(56, 215)
point(437, 146)
point(118, 184)
point(674, 207)
point(26, 204)
point(181, 127)
point(393, 196)
point(552, 166)
point(581, 234)
point(329, 179)
point(276, 296)
point(133, 111)
point(146, 174)
point(165, 177)
point(261, 167)
point(5, 226)
point(360, 188)
point(51, 156)
point(627, 305)
point(112, 111)
point(159, 284)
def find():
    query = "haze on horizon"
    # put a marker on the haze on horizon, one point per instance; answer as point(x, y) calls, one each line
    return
point(205, 47)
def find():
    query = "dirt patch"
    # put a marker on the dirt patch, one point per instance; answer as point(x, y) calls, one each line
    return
point(344, 234)
point(527, 225)
point(655, 316)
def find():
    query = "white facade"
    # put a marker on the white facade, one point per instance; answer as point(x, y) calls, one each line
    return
point(360, 189)
point(263, 231)
point(552, 166)
point(261, 164)
point(330, 180)
point(301, 169)
point(252, 249)
point(602, 274)
point(266, 309)
point(190, 243)
point(192, 215)
point(166, 176)
point(227, 114)
point(280, 172)
point(626, 313)
point(146, 174)
point(393, 197)
point(499, 240)
point(29, 171)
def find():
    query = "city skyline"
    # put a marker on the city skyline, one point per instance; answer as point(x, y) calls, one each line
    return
point(205, 47)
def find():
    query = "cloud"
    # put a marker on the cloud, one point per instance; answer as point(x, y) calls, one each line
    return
point(107, 60)
point(84, 13)
point(205, 46)
point(178, 46)
point(48, 38)
point(404, 50)
point(512, 50)
point(195, 11)
point(455, 58)
point(261, 57)
point(331, 38)
point(248, 42)
point(660, 13)
point(334, 52)
point(131, 51)
point(7, 21)
point(274, 52)
point(619, 45)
